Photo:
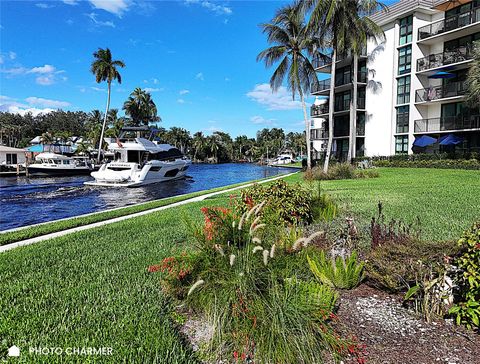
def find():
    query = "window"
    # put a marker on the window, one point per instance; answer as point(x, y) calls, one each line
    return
point(404, 59)
point(401, 144)
point(403, 90)
point(461, 43)
point(343, 76)
point(342, 101)
point(11, 158)
point(406, 30)
point(403, 114)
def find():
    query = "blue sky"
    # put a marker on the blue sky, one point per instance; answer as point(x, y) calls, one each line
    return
point(196, 57)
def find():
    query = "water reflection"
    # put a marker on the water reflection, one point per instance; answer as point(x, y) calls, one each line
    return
point(25, 201)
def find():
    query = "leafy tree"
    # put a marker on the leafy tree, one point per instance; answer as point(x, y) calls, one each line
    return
point(292, 46)
point(344, 26)
point(141, 108)
point(105, 69)
point(473, 80)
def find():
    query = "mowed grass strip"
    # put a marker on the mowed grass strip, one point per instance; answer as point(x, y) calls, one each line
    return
point(55, 226)
point(91, 289)
point(446, 201)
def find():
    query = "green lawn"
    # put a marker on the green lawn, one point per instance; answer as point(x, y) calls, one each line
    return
point(91, 288)
point(447, 201)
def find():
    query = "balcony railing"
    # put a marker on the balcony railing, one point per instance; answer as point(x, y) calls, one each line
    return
point(450, 23)
point(321, 86)
point(317, 110)
point(344, 105)
point(447, 123)
point(318, 134)
point(451, 89)
point(444, 58)
point(340, 81)
point(325, 60)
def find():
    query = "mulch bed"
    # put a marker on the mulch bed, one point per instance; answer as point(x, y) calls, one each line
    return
point(393, 334)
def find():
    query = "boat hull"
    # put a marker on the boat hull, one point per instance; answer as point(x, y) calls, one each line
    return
point(56, 172)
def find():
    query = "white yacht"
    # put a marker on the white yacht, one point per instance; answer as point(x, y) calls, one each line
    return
point(284, 158)
point(138, 160)
point(52, 164)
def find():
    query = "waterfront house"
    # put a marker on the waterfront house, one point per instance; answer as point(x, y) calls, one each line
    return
point(410, 86)
point(11, 157)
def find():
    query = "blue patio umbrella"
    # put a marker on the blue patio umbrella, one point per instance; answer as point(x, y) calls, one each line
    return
point(424, 141)
point(36, 148)
point(442, 74)
point(451, 139)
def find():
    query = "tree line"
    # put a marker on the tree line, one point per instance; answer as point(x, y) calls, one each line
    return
point(59, 126)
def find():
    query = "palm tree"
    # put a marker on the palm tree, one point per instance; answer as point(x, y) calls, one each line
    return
point(213, 145)
point(47, 139)
point(345, 26)
point(198, 143)
point(105, 69)
point(473, 80)
point(291, 47)
point(141, 108)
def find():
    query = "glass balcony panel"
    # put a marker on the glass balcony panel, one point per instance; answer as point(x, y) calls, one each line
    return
point(447, 123)
point(450, 23)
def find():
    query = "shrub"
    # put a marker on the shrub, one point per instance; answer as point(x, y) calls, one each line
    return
point(397, 267)
point(289, 202)
point(257, 295)
point(323, 206)
point(431, 163)
point(340, 171)
point(339, 272)
point(467, 309)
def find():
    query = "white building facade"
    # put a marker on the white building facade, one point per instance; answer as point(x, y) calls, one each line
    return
point(410, 86)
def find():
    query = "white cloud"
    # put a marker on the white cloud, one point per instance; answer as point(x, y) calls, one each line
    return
point(38, 101)
point(12, 55)
point(44, 6)
point(98, 89)
point(34, 105)
point(181, 101)
point(227, 79)
point(152, 89)
point(43, 69)
point(71, 2)
point(117, 7)
point(261, 120)
point(155, 81)
point(45, 80)
point(199, 76)
point(69, 21)
point(280, 100)
point(93, 18)
point(211, 6)
point(184, 92)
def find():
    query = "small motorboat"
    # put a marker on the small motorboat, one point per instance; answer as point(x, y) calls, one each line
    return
point(53, 164)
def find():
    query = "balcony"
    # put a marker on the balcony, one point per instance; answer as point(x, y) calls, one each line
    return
point(452, 89)
point(344, 105)
point(451, 23)
point(447, 123)
point(318, 134)
point(319, 110)
point(462, 54)
point(319, 62)
point(321, 86)
point(326, 60)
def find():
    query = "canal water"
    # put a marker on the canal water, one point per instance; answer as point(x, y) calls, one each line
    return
point(25, 201)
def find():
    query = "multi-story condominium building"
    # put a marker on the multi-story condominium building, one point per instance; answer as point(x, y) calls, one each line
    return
point(409, 89)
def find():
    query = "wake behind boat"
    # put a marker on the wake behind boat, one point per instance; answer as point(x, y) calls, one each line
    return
point(139, 160)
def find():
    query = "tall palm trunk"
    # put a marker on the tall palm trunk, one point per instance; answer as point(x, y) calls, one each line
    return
point(331, 106)
point(100, 142)
point(352, 145)
point(307, 131)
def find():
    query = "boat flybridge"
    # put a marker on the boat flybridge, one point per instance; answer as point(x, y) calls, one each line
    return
point(139, 160)
point(283, 158)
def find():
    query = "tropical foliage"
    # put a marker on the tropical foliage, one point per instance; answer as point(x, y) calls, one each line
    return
point(140, 108)
point(291, 47)
point(473, 81)
point(105, 69)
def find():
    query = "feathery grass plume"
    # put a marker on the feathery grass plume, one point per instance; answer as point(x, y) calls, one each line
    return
point(242, 219)
point(232, 259)
point(266, 253)
point(234, 224)
point(260, 207)
point(195, 286)
point(250, 212)
point(219, 249)
point(259, 226)
point(254, 223)
point(257, 249)
point(313, 236)
point(256, 241)
point(272, 251)
point(298, 243)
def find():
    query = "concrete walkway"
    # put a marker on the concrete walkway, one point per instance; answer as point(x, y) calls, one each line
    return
point(6, 247)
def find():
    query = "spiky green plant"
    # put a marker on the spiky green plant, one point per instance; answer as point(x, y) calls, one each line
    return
point(339, 272)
